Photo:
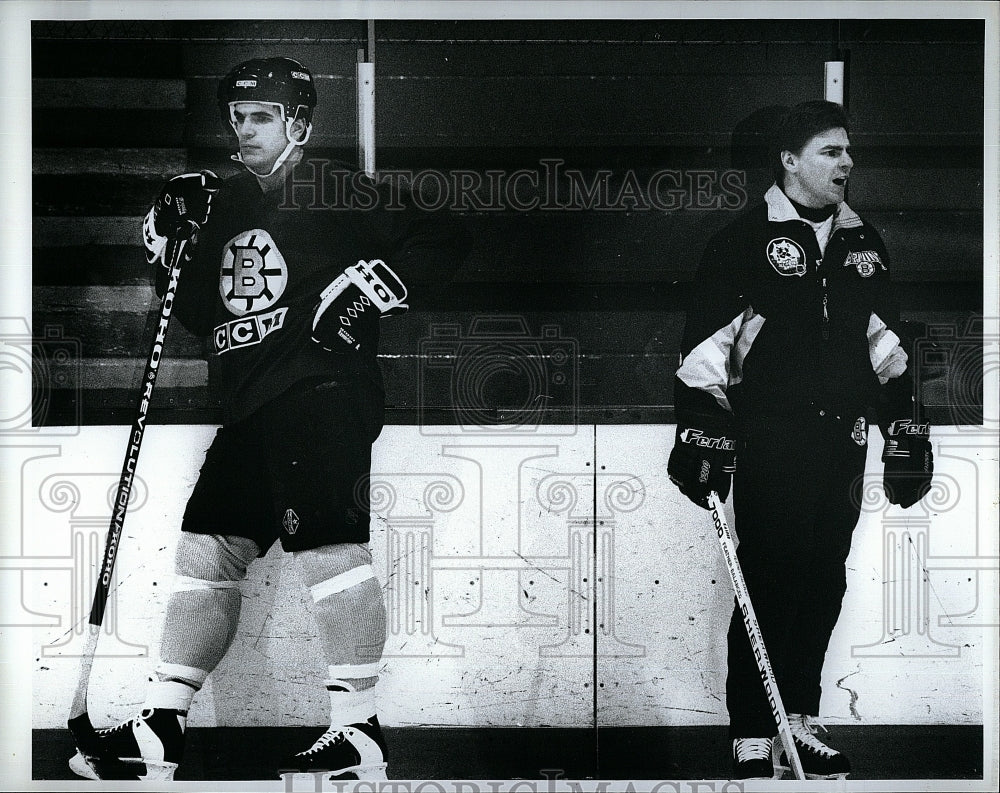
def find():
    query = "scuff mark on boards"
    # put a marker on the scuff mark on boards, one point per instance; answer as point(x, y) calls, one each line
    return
point(853, 704)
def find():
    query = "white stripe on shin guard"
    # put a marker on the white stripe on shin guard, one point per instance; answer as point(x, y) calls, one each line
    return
point(189, 674)
point(338, 583)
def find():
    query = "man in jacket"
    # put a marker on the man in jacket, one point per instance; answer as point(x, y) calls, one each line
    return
point(791, 347)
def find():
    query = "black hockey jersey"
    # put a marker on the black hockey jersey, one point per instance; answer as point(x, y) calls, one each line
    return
point(259, 267)
point(777, 326)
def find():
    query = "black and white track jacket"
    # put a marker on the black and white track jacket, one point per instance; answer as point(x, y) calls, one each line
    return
point(792, 317)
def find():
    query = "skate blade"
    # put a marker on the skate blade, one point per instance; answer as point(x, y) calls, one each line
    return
point(81, 766)
point(781, 770)
point(121, 770)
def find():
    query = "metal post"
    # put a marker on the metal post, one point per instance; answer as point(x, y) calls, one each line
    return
point(833, 76)
point(366, 104)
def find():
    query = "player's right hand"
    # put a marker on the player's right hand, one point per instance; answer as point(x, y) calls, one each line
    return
point(180, 210)
point(703, 459)
point(185, 199)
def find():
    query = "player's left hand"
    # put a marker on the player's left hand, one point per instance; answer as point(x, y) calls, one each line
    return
point(908, 462)
point(350, 307)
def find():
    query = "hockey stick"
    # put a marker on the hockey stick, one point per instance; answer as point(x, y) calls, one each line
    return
point(753, 631)
point(79, 722)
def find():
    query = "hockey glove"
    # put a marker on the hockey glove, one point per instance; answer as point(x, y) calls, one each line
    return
point(349, 308)
point(908, 462)
point(703, 459)
point(180, 210)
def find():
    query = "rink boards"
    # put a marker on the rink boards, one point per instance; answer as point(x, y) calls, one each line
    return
point(551, 578)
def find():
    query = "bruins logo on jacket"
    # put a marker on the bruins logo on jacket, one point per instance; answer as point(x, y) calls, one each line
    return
point(864, 262)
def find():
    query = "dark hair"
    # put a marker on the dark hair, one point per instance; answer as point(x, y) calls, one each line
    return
point(801, 123)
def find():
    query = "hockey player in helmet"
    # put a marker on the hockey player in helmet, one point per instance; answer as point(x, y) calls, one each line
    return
point(301, 400)
point(269, 104)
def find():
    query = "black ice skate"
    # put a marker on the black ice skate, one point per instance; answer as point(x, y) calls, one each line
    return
point(752, 758)
point(146, 748)
point(356, 749)
point(819, 761)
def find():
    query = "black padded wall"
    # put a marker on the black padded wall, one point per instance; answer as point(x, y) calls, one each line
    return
point(604, 111)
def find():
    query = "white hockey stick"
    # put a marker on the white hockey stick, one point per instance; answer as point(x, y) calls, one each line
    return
point(753, 631)
point(79, 722)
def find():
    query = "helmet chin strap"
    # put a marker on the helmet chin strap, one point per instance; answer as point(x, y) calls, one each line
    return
point(277, 163)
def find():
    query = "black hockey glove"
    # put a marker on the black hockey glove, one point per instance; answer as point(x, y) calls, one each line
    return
point(350, 307)
point(703, 459)
point(181, 208)
point(184, 200)
point(908, 462)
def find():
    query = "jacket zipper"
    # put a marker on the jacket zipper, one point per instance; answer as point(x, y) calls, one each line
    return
point(826, 294)
point(826, 313)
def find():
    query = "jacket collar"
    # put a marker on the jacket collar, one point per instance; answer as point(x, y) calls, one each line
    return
point(780, 209)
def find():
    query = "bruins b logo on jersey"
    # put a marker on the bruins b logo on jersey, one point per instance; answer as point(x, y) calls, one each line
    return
point(253, 275)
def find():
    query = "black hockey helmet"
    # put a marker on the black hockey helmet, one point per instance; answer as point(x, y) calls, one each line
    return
point(281, 81)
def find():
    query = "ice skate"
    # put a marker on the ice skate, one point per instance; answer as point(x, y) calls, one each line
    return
point(752, 758)
point(356, 749)
point(819, 761)
point(146, 748)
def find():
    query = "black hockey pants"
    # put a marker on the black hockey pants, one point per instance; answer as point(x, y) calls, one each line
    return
point(797, 500)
